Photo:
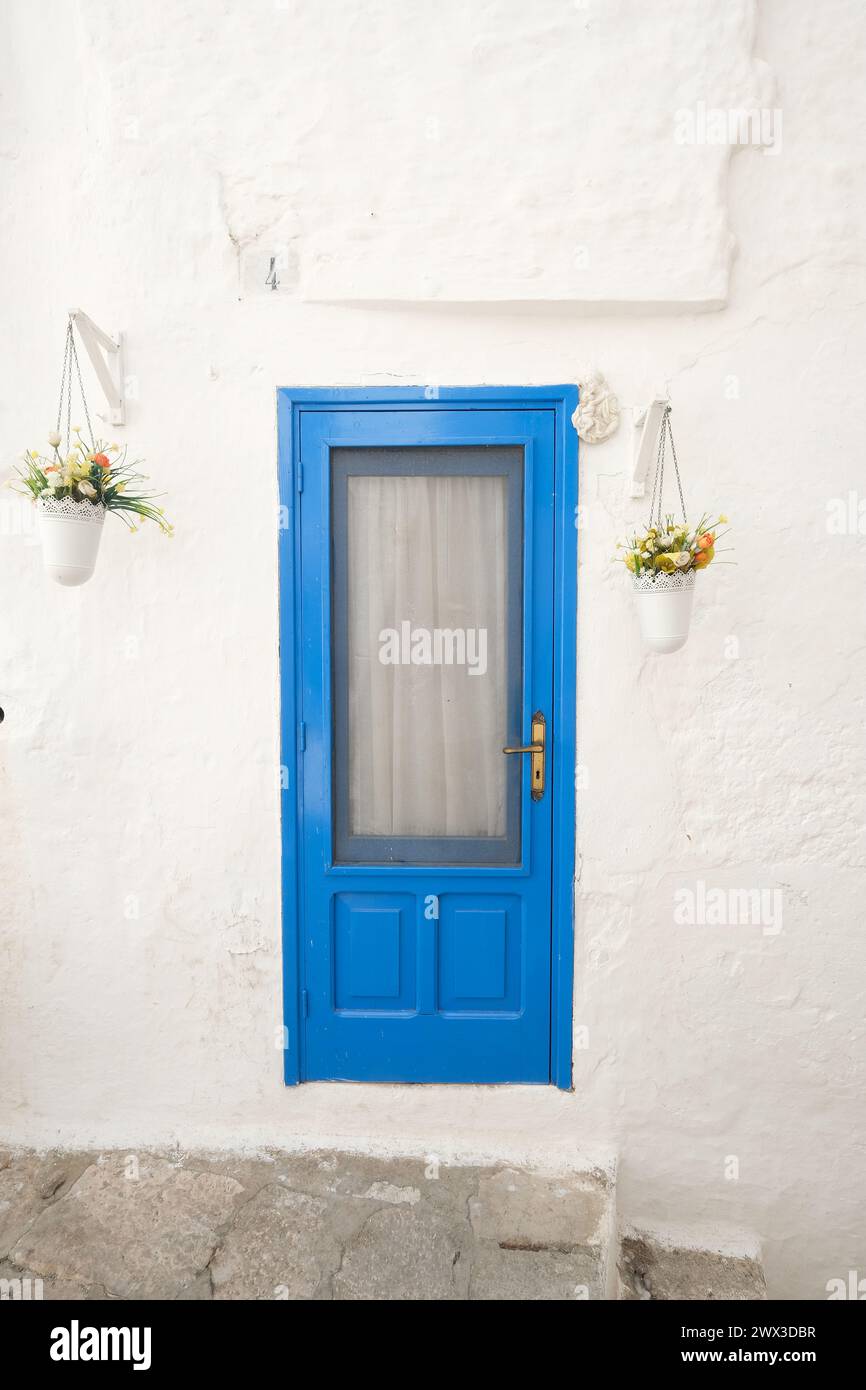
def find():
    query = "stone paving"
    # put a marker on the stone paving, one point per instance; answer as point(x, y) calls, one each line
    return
point(299, 1226)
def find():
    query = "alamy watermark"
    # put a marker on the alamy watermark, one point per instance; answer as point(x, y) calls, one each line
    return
point(21, 1289)
point(853, 1287)
point(729, 907)
point(439, 646)
point(77, 1343)
point(715, 125)
point(846, 516)
point(18, 518)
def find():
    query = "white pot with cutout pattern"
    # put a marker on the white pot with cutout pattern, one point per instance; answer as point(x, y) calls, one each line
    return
point(664, 603)
point(70, 532)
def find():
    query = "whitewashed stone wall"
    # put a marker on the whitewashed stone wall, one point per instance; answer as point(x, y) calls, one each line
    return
point(454, 194)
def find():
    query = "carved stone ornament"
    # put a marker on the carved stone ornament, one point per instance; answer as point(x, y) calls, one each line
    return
point(597, 414)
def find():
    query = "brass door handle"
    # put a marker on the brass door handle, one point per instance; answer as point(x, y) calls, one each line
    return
point(536, 748)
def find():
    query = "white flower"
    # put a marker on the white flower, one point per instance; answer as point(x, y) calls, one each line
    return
point(87, 489)
point(54, 439)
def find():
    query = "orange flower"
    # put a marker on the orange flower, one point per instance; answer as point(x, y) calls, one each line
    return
point(706, 540)
point(101, 459)
point(704, 556)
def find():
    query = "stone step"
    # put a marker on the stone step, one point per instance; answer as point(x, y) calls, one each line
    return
point(543, 1237)
point(655, 1265)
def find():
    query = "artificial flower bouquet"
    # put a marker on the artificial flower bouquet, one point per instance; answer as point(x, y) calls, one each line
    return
point(98, 475)
point(73, 491)
point(663, 561)
point(672, 548)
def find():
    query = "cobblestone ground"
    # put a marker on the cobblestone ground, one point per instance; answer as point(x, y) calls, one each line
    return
point(297, 1226)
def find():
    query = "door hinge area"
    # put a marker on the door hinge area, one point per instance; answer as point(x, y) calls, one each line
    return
point(305, 1003)
point(302, 736)
point(300, 477)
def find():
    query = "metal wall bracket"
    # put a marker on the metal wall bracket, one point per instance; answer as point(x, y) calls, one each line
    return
point(106, 355)
point(648, 420)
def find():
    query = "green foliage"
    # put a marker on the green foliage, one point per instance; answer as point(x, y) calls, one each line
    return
point(672, 547)
point(97, 475)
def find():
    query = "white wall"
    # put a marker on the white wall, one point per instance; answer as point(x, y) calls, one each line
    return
point(459, 194)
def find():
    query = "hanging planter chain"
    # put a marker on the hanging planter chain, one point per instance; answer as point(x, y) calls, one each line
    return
point(73, 491)
point(70, 355)
point(665, 433)
point(665, 558)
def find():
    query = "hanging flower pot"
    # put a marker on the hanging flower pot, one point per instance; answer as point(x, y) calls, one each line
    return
point(75, 488)
point(664, 606)
point(70, 532)
point(665, 558)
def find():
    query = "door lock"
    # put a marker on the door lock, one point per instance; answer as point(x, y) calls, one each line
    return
point(536, 751)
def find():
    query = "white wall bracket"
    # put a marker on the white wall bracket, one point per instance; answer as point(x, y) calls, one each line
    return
point(106, 355)
point(647, 419)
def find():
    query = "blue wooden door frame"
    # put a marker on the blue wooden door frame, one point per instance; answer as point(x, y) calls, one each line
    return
point(562, 399)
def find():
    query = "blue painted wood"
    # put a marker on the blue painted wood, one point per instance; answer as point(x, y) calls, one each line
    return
point(463, 1021)
point(392, 1037)
point(565, 742)
point(289, 626)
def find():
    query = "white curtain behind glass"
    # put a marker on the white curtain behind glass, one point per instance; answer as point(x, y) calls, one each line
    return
point(425, 741)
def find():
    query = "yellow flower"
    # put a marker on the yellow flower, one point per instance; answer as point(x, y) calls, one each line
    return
point(723, 520)
point(665, 563)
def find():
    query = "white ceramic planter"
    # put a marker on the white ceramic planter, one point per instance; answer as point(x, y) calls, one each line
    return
point(70, 533)
point(664, 604)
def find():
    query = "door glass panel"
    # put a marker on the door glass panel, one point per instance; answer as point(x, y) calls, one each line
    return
point(427, 625)
point(427, 564)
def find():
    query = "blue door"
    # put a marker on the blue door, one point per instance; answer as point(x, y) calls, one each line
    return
point(424, 545)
